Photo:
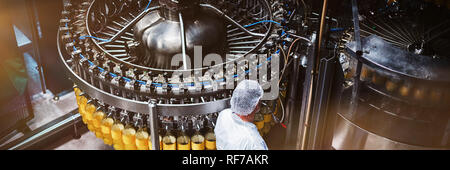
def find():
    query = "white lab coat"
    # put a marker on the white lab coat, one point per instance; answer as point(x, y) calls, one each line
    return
point(232, 133)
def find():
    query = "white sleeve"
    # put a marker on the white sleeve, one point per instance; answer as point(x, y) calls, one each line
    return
point(258, 142)
point(260, 145)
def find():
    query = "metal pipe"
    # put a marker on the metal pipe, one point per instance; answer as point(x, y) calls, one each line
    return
point(300, 37)
point(321, 33)
point(183, 41)
point(314, 72)
point(131, 23)
point(153, 120)
point(291, 103)
point(231, 20)
point(332, 19)
point(356, 79)
point(43, 135)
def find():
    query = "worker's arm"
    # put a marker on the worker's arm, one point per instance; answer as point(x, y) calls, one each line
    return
point(260, 145)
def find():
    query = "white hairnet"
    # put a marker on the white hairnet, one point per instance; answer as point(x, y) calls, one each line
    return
point(246, 96)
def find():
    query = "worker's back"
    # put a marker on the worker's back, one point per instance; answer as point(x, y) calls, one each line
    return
point(232, 133)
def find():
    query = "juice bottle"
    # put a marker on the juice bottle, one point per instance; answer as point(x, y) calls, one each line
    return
point(82, 105)
point(259, 121)
point(169, 140)
point(378, 79)
point(210, 143)
point(141, 134)
point(265, 109)
point(129, 135)
point(116, 132)
point(98, 116)
point(77, 94)
point(89, 111)
point(273, 109)
point(198, 140)
point(405, 89)
point(106, 125)
point(142, 138)
point(183, 140)
point(366, 74)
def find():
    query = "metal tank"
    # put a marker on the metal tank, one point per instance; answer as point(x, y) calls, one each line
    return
point(159, 32)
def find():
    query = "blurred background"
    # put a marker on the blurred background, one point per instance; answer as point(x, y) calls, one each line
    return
point(35, 95)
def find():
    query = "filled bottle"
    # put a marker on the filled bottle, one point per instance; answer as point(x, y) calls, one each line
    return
point(82, 102)
point(116, 132)
point(405, 89)
point(267, 118)
point(129, 135)
point(378, 79)
point(183, 140)
point(392, 85)
point(89, 111)
point(273, 106)
point(267, 112)
point(419, 93)
point(198, 140)
point(169, 140)
point(106, 125)
point(210, 142)
point(366, 73)
point(142, 135)
point(77, 94)
point(98, 116)
point(259, 122)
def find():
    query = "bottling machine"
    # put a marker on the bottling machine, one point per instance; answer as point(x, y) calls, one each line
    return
point(371, 75)
point(351, 74)
point(119, 55)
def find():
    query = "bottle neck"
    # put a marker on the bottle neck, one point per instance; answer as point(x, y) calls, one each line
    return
point(168, 131)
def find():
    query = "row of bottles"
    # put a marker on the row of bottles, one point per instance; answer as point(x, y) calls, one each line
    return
point(263, 119)
point(404, 88)
point(118, 130)
point(181, 140)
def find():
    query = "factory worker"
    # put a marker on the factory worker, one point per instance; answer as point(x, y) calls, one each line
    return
point(234, 128)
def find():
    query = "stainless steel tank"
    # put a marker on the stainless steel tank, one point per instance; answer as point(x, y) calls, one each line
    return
point(403, 95)
point(160, 33)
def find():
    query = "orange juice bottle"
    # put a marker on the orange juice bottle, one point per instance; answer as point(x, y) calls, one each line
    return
point(169, 140)
point(89, 112)
point(142, 136)
point(129, 135)
point(116, 132)
point(265, 109)
point(82, 102)
point(98, 116)
point(259, 122)
point(183, 140)
point(77, 93)
point(106, 125)
point(198, 140)
point(210, 143)
point(267, 112)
